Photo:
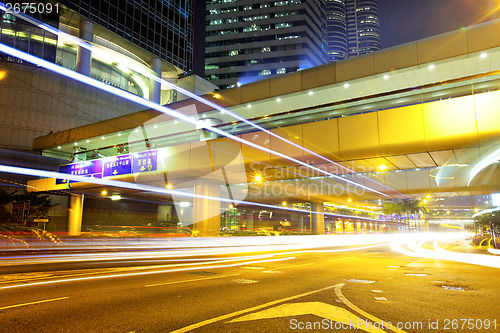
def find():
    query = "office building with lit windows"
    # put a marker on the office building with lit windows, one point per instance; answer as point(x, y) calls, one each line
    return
point(353, 28)
point(249, 40)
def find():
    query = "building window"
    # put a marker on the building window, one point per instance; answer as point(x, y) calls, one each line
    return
point(265, 72)
point(266, 49)
point(281, 71)
point(283, 25)
point(234, 53)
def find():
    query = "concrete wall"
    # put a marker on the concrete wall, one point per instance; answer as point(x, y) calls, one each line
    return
point(34, 102)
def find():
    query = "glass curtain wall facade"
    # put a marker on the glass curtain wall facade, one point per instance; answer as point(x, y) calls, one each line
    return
point(353, 28)
point(23, 36)
point(164, 28)
point(249, 40)
point(336, 27)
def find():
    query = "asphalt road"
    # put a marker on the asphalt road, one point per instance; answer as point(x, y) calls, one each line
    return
point(278, 288)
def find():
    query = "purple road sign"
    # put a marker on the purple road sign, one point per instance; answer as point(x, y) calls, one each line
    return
point(145, 161)
point(118, 165)
point(85, 169)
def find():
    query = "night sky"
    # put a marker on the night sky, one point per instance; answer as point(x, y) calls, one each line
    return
point(404, 21)
point(401, 21)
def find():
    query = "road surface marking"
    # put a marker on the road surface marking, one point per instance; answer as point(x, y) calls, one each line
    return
point(30, 303)
point(144, 273)
point(377, 291)
point(341, 259)
point(324, 310)
point(361, 281)
point(244, 281)
point(394, 266)
point(271, 272)
point(380, 298)
point(192, 280)
point(339, 294)
point(274, 269)
point(258, 307)
point(453, 288)
point(415, 274)
point(253, 267)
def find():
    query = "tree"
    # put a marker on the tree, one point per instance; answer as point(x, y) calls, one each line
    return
point(40, 204)
point(5, 199)
point(413, 206)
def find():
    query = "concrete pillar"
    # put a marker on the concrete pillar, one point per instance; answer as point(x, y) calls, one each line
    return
point(155, 86)
point(75, 214)
point(206, 213)
point(317, 220)
point(84, 56)
point(164, 213)
point(249, 216)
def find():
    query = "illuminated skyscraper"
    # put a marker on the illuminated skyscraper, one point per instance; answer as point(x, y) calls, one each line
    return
point(249, 40)
point(353, 28)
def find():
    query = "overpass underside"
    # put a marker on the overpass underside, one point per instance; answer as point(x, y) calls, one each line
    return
point(425, 111)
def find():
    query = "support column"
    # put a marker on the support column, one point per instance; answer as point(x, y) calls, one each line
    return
point(164, 214)
point(75, 215)
point(155, 86)
point(300, 226)
point(206, 213)
point(84, 56)
point(317, 220)
point(249, 216)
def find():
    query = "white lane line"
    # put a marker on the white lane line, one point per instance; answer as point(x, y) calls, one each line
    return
point(339, 294)
point(380, 299)
point(377, 291)
point(415, 274)
point(453, 288)
point(299, 265)
point(192, 280)
point(244, 281)
point(361, 281)
point(30, 303)
point(142, 273)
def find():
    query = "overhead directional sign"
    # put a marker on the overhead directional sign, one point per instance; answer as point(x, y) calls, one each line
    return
point(111, 166)
point(85, 169)
point(145, 161)
point(117, 165)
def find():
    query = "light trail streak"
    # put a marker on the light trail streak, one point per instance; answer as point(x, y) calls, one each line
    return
point(285, 245)
point(136, 268)
point(148, 188)
point(494, 251)
point(205, 101)
point(149, 104)
point(143, 273)
point(416, 250)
